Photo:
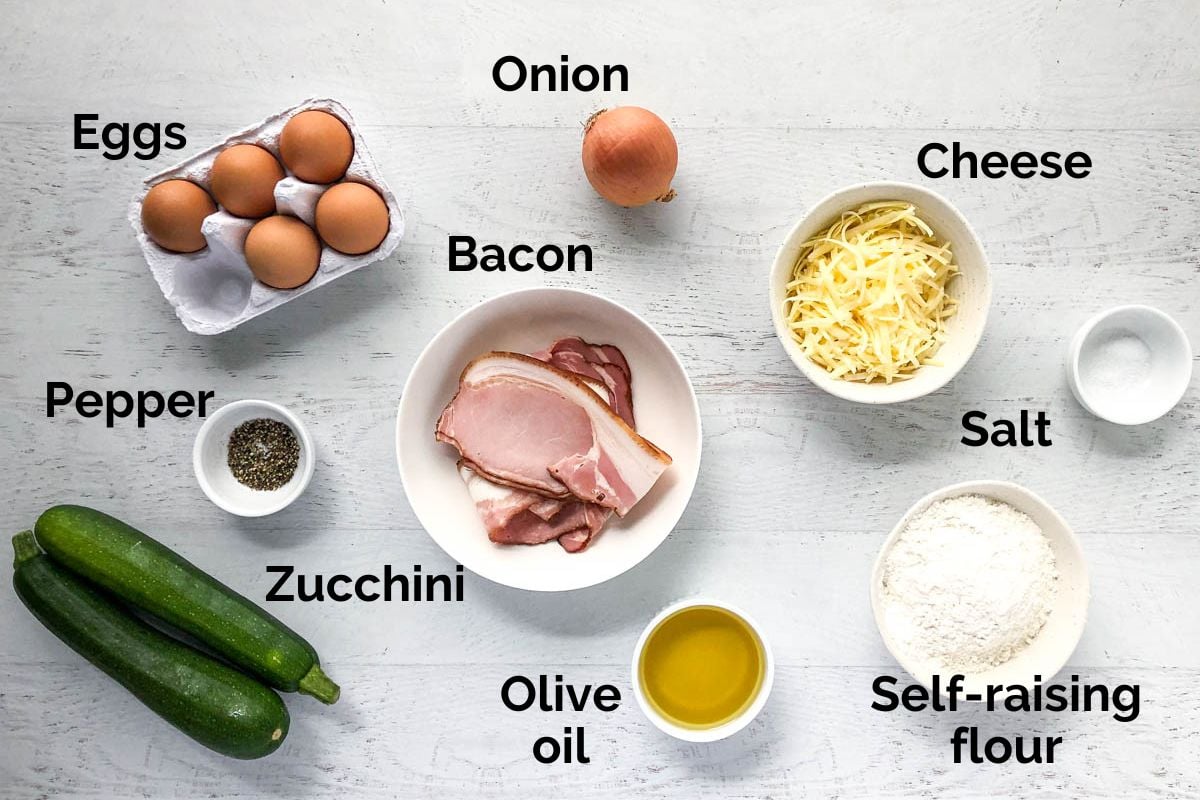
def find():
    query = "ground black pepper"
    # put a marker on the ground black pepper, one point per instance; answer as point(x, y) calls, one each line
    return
point(263, 454)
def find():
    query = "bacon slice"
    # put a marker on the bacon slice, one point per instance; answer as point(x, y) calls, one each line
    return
point(544, 507)
point(523, 423)
point(604, 363)
point(577, 540)
point(497, 504)
point(509, 516)
point(506, 511)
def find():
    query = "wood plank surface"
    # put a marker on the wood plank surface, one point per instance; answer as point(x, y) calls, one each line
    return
point(774, 105)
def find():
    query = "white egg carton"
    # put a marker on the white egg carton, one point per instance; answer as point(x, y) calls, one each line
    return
point(213, 291)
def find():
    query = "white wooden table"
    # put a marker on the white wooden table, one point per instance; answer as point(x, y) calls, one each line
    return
point(772, 109)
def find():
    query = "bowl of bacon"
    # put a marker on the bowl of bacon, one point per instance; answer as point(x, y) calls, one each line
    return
point(548, 439)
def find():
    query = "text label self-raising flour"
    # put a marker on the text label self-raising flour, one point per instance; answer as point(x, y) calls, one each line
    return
point(968, 584)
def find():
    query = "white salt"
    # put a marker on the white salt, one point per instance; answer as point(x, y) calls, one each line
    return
point(1119, 359)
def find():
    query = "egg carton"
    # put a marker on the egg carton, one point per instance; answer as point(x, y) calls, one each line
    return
point(213, 290)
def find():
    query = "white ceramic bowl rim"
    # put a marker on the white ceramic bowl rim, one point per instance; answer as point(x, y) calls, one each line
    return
point(1149, 411)
point(987, 488)
point(732, 726)
point(284, 496)
point(929, 379)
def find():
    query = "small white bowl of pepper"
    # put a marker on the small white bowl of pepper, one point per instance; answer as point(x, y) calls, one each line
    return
point(253, 457)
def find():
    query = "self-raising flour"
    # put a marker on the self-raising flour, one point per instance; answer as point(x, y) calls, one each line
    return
point(968, 584)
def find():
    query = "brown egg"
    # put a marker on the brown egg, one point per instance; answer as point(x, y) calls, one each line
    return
point(316, 146)
point(283, 252)
point(352, 218)
point(172, 212)
point(244, 178)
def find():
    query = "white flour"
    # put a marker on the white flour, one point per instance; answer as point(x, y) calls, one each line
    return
point(968, 584)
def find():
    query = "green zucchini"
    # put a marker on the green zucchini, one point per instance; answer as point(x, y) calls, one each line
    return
point(213, 703)
point(149, 576)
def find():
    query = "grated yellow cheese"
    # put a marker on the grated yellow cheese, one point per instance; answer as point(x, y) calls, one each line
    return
point(867, 300)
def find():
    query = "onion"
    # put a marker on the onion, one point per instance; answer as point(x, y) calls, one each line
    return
point(629, 155)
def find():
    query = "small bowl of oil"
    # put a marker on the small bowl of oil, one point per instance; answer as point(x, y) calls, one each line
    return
point(702, 670)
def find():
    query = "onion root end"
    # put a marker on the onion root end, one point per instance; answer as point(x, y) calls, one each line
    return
point(590, 121)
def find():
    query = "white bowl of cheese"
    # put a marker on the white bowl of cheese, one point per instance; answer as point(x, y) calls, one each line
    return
point(970, 290)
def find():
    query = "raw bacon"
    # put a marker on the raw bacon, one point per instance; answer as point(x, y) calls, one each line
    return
point(514, 515)
point(509, 516)
point(599, 362)
point(525, 424)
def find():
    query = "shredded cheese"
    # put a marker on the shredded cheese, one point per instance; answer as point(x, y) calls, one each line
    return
point(867, 300)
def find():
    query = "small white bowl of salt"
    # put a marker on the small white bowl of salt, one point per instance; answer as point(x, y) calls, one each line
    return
point(1129, 364)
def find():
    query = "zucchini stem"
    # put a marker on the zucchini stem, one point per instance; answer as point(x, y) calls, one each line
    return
point(24, 548)
point(317, 684)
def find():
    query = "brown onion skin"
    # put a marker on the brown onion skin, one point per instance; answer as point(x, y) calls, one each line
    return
point(630, 156)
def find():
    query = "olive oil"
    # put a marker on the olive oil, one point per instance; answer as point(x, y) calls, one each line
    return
point(701, 667)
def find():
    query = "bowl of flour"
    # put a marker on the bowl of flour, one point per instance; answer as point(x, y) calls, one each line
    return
point(982, 579)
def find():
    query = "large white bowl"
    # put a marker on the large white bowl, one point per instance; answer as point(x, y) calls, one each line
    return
point(972, 289)
point(525, 321)
point(1049, 651)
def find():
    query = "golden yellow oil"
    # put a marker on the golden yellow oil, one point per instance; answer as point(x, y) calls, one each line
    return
point(701, 667)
